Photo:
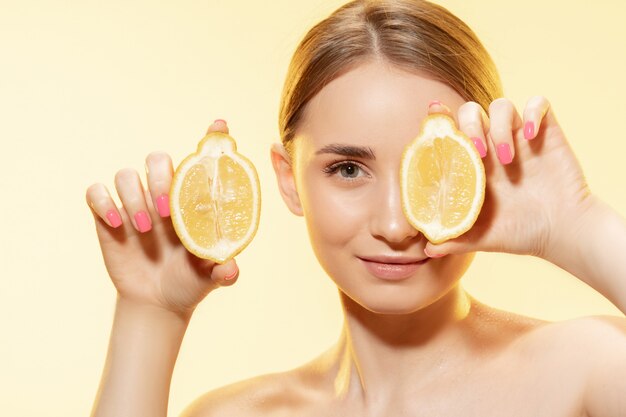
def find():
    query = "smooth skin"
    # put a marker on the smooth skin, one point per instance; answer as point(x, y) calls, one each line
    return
point(417, 347)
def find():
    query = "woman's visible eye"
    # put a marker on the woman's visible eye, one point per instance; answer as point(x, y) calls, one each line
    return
point(346, 169)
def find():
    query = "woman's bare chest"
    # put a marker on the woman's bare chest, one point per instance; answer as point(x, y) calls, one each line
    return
point(513, 387)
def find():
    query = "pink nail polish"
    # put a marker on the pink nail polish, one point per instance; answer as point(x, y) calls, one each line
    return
point(529, 130)
point(143, 221)
point(231, 275)
point(163, 205)
point(480, 147)
point(504, 153)
point(434, 103)
point(114, 218)
point(219, 120)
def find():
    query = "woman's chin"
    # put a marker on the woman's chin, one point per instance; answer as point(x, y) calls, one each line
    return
point(391, 310)
point(400, 303)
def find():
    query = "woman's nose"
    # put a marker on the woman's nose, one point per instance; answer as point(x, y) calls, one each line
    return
point(387, 219)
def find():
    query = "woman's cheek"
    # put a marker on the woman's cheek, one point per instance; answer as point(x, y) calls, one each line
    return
point(335, 214)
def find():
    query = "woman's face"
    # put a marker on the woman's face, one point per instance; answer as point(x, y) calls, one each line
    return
point(345, 167)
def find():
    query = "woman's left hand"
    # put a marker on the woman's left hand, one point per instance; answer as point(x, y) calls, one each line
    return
point(535, 190)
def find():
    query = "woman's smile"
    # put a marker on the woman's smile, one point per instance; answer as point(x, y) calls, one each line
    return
point(392, 268)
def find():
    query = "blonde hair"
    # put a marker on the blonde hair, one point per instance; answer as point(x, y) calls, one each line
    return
point(415, 35)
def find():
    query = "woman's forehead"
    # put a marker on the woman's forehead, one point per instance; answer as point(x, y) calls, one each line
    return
point(374, 105)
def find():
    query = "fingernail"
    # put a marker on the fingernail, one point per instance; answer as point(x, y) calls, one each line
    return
point(143, 221)
point(529, 130)
point(480, 147)
point(219, 120)
point(163, 205)
point(439, 107)
point(504, 153)
point(433, 255)
point(231, 275)
point(114, 218)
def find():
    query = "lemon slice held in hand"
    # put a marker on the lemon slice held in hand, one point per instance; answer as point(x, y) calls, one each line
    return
point(442, 179)
point(215, 199)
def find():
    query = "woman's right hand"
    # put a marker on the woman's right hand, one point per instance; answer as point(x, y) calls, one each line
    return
point(143, 255)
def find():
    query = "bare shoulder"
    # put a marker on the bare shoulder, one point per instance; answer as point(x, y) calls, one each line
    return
point(601, 326)
point(579, 342)
point(594, 348)
point(591, 333)
point(264, 395)
point(570, 367)
point(583, 351)
point(597, 334)
point(597, 344)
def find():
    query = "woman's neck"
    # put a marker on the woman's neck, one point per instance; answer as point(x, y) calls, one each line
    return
point(379, 354)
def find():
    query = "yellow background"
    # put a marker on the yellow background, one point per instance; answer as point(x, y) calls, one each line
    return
point(89, 87)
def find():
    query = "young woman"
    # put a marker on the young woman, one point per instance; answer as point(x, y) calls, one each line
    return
point(414, 342)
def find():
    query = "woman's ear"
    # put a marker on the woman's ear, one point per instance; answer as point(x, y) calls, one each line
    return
point(281, 161)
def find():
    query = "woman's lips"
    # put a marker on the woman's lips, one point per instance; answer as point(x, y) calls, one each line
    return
point(392, 271)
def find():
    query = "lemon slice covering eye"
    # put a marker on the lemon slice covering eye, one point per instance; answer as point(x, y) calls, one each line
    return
point(215, 199)
point(442, 179)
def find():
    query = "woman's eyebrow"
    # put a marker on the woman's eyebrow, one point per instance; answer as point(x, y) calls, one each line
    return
point(348, 150)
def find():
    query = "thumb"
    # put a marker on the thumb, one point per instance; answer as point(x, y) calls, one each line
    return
point(450, 247)
point(225, 274)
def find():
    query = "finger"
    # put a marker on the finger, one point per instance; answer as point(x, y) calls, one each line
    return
point(159, 172)
point(504, 119)
point(101, 203)
point(225, 274)
point(453, 246)
point(132, 195)
point(473, 121)
point(218, 126)
point(534, 112)
point(437, 107)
